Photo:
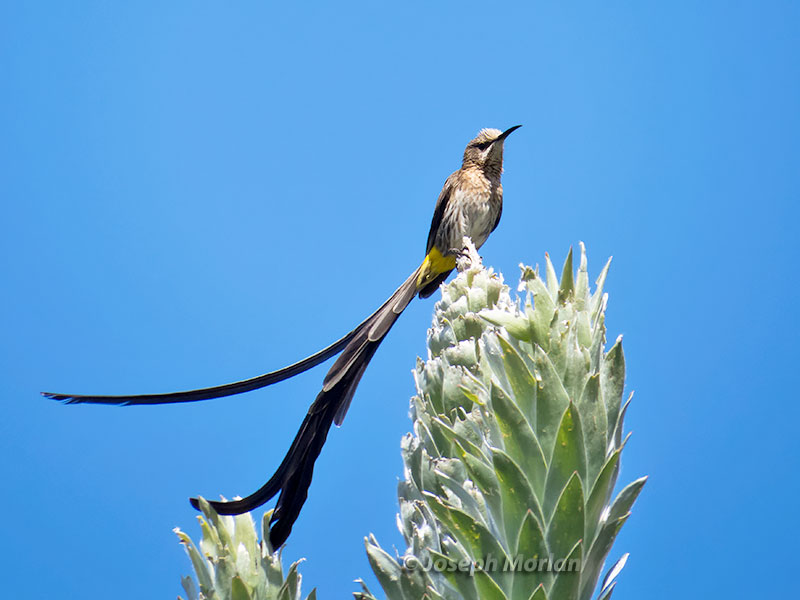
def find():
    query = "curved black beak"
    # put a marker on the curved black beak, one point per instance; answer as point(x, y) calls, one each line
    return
point(506, 133)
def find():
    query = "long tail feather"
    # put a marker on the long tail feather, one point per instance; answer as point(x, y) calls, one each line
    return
point(293, 477)
point(229, 389)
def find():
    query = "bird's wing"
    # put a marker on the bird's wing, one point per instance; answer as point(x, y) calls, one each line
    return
point(438, 211)
point(497, 220)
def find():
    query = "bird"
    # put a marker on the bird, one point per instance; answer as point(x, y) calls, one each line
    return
point(469, 205)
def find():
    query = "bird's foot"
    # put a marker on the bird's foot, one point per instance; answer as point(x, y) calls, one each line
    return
point(467, 257)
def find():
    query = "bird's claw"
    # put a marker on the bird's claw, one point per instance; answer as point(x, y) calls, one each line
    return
point(467, 256)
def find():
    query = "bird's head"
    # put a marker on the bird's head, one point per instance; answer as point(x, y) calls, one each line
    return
point(487, 148)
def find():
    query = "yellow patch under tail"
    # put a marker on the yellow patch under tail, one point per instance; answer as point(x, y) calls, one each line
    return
point(434, 265)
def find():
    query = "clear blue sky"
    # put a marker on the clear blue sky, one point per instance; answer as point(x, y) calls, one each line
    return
point(195, 193)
